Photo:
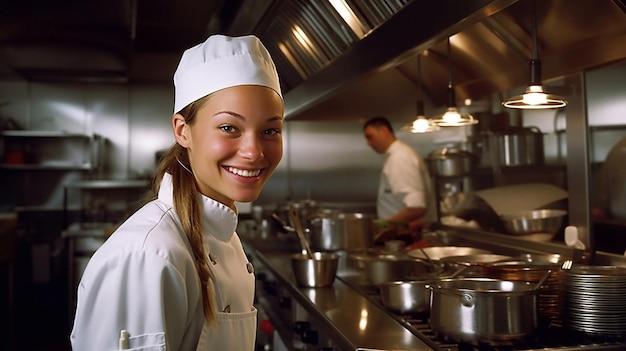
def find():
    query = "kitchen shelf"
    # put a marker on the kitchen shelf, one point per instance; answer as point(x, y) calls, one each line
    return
point(27, 155)
point(109, 184)
point(61, 166)
point(42, 134)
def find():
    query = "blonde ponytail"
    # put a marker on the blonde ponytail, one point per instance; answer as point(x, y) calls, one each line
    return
point(187, 206)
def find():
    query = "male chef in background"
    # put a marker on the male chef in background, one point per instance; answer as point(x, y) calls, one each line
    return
point(405, 192)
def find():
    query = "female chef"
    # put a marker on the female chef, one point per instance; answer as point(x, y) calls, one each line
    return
point(174, 276)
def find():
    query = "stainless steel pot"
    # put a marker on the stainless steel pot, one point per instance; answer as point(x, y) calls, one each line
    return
point(515, 147)
point(411, 296)
point(332, 231)
point(381, 267)
point(385, 269)
point(450, 162)
point(483, 310)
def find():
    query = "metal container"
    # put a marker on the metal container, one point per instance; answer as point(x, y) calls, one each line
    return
point(436, 253)
point(331, 231)
point(538, 221)
point(386, 269)
point(515, 146)
point(381, 266)
point(483, 310)
point(450, 162)
point(318, 271)
point(411, 296)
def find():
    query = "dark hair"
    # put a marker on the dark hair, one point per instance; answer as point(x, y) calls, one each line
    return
point(378, 121)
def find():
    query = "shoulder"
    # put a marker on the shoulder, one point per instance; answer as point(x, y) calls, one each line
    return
point(403, 152)
point(152, 233)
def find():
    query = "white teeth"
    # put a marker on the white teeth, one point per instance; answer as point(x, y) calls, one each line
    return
point(243, 172)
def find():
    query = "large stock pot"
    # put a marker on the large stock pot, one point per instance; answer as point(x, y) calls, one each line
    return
point(483, 310)
point(332, 231)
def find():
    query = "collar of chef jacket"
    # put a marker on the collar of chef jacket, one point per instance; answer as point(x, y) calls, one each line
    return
point(219, 219)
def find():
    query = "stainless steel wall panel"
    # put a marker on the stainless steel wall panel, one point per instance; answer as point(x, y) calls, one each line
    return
point(150, 127)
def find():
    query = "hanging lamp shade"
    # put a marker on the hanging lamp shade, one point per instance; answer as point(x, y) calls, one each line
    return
point(421, 124)
point(452, 117)
point(535, 97)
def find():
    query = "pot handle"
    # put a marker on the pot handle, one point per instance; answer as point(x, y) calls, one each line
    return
point(542, 280)
point(467, 299)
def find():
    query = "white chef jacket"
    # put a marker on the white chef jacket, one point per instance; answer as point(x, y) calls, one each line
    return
point(404, 182)
point(143, 280)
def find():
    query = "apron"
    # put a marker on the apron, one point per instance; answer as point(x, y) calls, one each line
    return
point(233, 331)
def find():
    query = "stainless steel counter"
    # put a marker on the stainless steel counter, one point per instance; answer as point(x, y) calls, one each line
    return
point(347, 319)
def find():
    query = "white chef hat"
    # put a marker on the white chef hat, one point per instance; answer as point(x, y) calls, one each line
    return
point(221, 62)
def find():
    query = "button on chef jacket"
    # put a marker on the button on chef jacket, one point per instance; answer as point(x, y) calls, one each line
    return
point(143, 280)
point(404, 182)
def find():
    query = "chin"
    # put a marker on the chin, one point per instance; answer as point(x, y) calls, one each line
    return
point(246, 197)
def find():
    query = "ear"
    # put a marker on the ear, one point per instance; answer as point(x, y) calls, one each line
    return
point(181, 130)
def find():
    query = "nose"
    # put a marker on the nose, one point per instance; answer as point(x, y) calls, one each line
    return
point(251, 148)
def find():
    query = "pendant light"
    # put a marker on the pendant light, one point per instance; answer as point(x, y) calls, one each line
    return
point(452, 117)
point(421, 124)
point(535, 98)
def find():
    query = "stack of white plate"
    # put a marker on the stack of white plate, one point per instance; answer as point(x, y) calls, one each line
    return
point(595, 299)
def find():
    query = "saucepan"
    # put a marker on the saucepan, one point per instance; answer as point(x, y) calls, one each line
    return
point(484, 310)
point(411, 296)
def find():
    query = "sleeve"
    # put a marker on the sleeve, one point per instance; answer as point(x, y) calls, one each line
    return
point(138, 291)
point(406, 180)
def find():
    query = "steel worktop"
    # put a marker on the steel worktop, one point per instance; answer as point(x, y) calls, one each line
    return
point(350, 320)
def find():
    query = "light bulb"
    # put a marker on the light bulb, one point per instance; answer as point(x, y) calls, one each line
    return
point(452, 116)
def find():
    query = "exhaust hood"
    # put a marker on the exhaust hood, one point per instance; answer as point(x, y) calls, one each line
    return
point(328, 68)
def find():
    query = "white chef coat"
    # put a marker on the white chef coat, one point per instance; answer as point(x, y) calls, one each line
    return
point(404, 182)
point(143, 280)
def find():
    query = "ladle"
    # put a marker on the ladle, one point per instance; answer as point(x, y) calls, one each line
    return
point(294, 216)
point(282, 223)
point(430, 261)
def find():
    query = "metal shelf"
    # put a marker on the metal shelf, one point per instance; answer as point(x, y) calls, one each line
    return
point(109, 184)
point(62, 166)
point(42, 134)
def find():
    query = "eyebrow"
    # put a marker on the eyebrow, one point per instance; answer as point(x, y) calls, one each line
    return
point(241, 117)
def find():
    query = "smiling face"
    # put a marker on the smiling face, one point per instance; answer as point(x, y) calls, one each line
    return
point(234, 142)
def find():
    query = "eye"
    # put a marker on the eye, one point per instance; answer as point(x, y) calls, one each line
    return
point(272, 131)
point(228, 129)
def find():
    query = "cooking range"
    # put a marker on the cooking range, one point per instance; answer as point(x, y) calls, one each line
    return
point(550, 337)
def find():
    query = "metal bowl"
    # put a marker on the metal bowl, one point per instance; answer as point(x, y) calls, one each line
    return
point(315, 272)
point(436, 253)
point(538, 221)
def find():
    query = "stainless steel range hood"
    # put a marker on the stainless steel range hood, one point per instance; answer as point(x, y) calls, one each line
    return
point(492, 49)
